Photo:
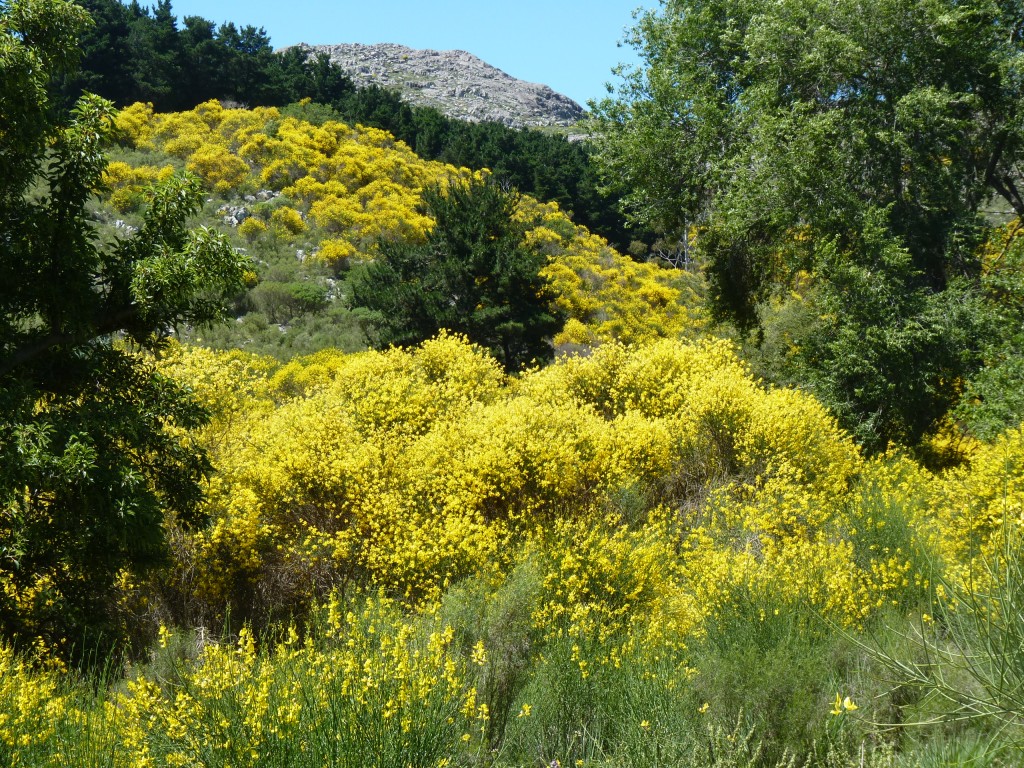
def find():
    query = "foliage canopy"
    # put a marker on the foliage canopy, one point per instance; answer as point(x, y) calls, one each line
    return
point(475, 275)
point(776, 128)
point(92, 451)
point(800, 138)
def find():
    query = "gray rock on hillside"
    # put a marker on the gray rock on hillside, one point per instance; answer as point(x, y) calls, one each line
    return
point(455, 82)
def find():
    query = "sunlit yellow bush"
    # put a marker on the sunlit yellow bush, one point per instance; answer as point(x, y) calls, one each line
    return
point(366, 684)
point(252, 228)
point(610, 584)
point(30, 708)
point(335, 253)
point(374, 685)
point(658, 494)
point(127, 184)
point(410, 469)
point(135, 124)
point(978, 503)
point(606, 295)
point(221, 169)
point(289, 219)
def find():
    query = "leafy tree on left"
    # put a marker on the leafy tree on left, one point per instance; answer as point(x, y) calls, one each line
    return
point(93, 442)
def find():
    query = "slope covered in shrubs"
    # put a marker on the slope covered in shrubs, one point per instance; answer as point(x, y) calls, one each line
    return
point(311, 201)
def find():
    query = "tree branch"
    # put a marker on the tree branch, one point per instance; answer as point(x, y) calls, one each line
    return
point(112, 323)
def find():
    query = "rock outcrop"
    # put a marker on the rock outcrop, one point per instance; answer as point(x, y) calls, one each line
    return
point(455, 82)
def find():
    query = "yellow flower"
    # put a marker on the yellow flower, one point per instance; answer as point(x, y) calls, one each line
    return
point(479, 654)
point(837, 706)
point(703, 708)
point(525, 711)
point(842, 704)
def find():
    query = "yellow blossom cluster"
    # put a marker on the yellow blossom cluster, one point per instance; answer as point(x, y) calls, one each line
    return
point(371, 684)
point(127, 184)
point(410, 469)
point(30, 708)
point(367, 684)
point(357, 184)
point(980, 506)
point(613, 586)
point(605, 295)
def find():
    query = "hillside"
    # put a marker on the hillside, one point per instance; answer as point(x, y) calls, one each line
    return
point(457, 83)
point(197, 61)
point(310, 203)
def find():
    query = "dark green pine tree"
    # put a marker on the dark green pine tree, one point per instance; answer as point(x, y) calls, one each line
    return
point(156, 52)
point(314, 77)
point(107, 67)
point(205, 59)
point(253, 72)
point(475, 275)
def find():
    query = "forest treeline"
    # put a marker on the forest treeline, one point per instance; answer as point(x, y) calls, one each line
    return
point(136, 53)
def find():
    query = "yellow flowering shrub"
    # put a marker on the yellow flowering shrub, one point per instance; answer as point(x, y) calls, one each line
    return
point(605, 295)
point(135, 125)
point(409, 469)
point(126, 184)
point(369, 686)
point(216, 165)
point(30, 707)
point(252, 228)
point(288, 219)
point(977, 504)
point(610, 584)
point(656, 495)
point(335, 253)
point(232, 385)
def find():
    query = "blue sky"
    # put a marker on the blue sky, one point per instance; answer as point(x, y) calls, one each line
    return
point(570, 45)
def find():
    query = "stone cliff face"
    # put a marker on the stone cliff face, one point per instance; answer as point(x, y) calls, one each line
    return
point(455, 82)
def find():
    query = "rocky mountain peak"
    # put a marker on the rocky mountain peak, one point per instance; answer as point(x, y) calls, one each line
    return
point(455, 82)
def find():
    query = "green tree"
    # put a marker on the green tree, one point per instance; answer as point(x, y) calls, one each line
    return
point(783, 136)
point(252, 73)
point(886, 354)
point(107, 66)
point(994, 399)
point(204, 62)
point(155, 46)
point(93, 442)
point(475, 275)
